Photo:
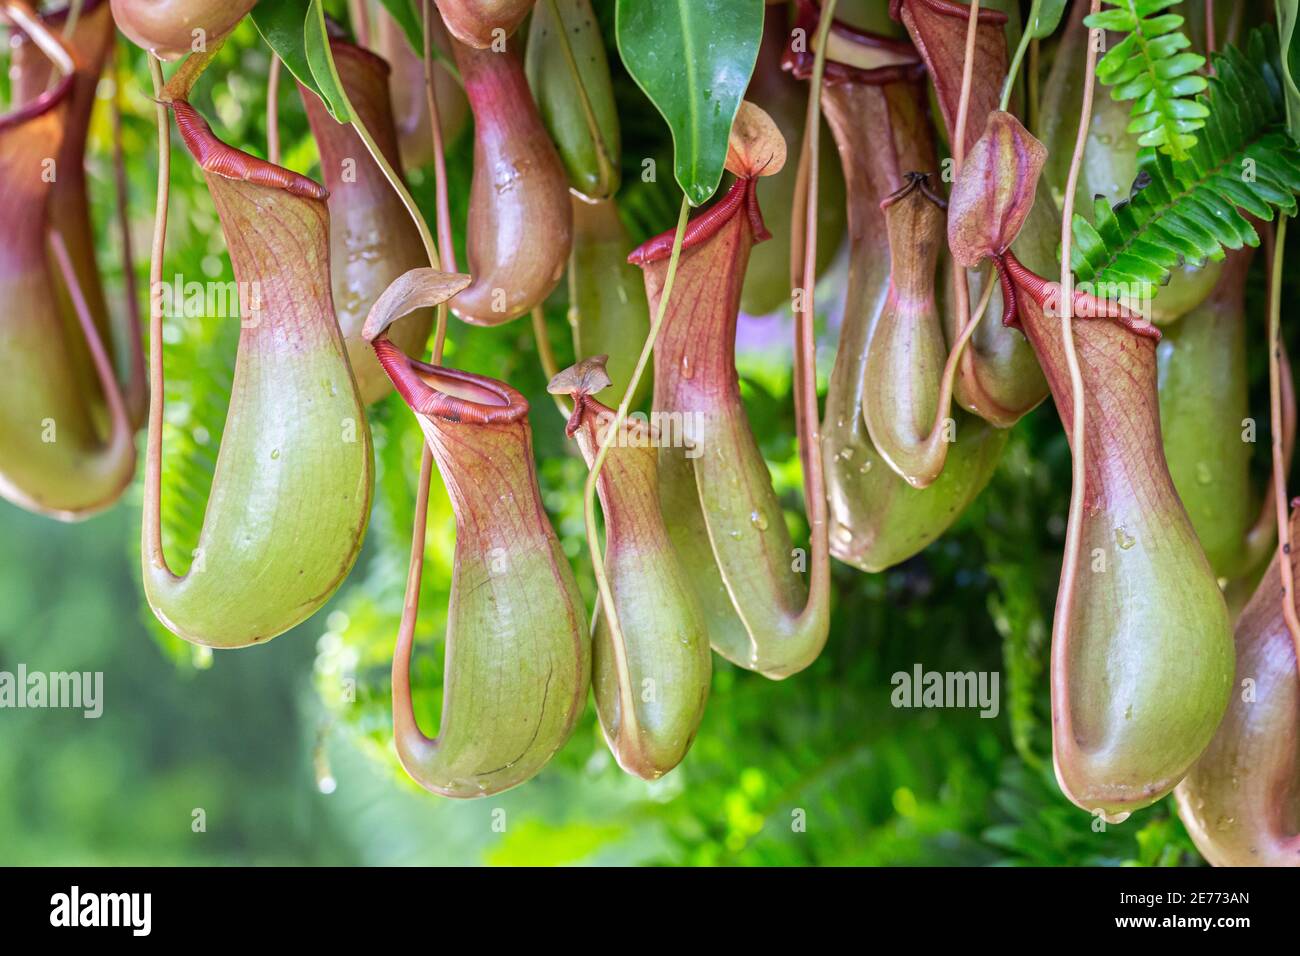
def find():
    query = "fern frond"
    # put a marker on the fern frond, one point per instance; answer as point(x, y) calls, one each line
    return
point(1243, 165)
point(1152, 67)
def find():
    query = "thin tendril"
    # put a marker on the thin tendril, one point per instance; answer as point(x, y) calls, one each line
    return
point(273, 111)
point(1074, 528)
point(137, 382)
point(152, 518)
point(598, 462)
point(1280, 500)
point(546, 355)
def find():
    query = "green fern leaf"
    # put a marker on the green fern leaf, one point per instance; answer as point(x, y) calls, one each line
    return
point(1243, 165)
point(1150, 66)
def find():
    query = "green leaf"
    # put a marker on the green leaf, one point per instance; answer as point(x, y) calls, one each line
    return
point(281, 26)
point(316, 41)
point(1149, 65)
point(693, 59)
point(1044, 16)
point(1192, 209)
point(295, 30)
point(1288, 13)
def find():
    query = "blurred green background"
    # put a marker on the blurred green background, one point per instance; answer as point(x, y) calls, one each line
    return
point(285, 748)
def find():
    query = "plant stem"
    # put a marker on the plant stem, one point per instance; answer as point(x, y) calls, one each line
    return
point(961, 285)
point(137, 382)
point(546, 355)
point(598, 462)
point(439, 155)
point(1074, 527)
point(151, 524)
point(1280, 500)
point(442, 206)
point(967, 76)
point(807, 417)
point(1032, 84)
point(1014, 69)
point(273, 110)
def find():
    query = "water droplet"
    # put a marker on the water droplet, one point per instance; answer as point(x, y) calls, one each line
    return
point(1203, 473)
point(846, 454)
point(687, 371)
point(275, 453)
point(758, 520)
point(864, 467)
point(1124, 539)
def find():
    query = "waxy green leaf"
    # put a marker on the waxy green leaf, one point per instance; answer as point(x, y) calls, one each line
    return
point(1044, 17)
point(295, 30)
point(693, 59)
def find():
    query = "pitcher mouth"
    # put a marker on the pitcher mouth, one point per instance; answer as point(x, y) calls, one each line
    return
point(222, 159)
point(899, 60)
point(449, 394)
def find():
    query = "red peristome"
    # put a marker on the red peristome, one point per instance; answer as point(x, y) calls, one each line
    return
point(703, 227)
point(1046, 293)
point(408, 376)
point(220, 158)
point(949, 9)
point(50, 99)
point(800, 63)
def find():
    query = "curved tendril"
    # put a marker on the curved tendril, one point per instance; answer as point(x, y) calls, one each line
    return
point(807, 417)
point(273, 111)
point(1287, 573)
point(1262, 535)
point(439, 161)
point(602, 452)
point(137, 384)
point(1074, 527)
point(151, 525)
point(403, 709)
point(121, 430)
point(962, 286)
point(404, 721)
point(546, 355)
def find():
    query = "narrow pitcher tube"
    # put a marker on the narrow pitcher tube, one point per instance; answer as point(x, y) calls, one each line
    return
point(650, 676)
point(520, 225)
point(716, 493)
point(518, 655)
